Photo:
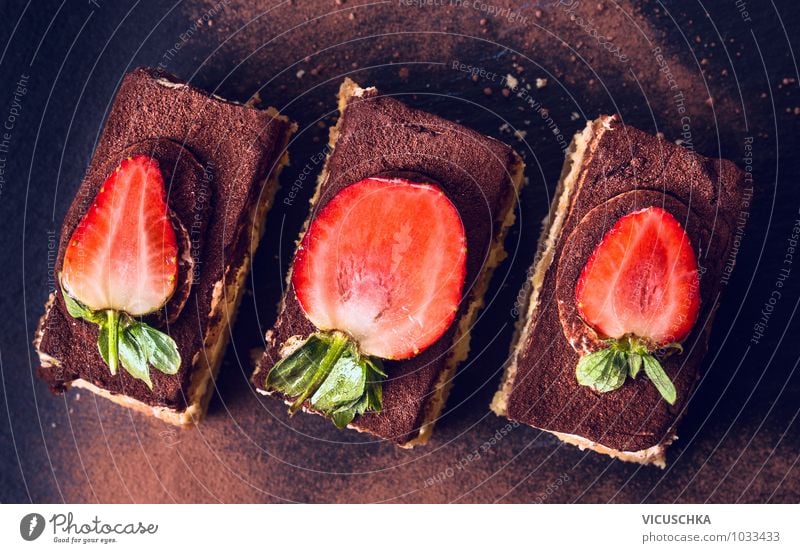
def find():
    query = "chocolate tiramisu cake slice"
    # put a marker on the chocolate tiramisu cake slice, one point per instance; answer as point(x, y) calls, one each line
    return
point(407, 225)
point(156, 246)
point(623, 292)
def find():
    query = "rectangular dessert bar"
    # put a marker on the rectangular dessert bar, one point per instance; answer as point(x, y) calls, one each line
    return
point(220, 161)
point(612, 170)
point(379, 136)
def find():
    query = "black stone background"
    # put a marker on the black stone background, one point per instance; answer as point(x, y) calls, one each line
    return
point(740, 440)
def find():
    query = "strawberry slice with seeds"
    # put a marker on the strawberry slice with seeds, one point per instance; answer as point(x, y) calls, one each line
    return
point(123, 253)
point(640, 290)
point(380, 273)
point(385, 262)
point(121, 263)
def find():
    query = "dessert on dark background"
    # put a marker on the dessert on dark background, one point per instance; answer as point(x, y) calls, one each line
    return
point(220, 163)
point(613, 170)
point(737, 81)
point(377, 135)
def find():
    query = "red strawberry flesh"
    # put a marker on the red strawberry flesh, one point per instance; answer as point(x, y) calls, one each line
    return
point(641, 280)
point(122, 256)
point(385, 262)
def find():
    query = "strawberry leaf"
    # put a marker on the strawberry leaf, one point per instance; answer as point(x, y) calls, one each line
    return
point(342, 418)
point(602, 371)
point(607, 369)
point(374, 388)
point(370, 400)
point(345, 414)
point(133, 354)
point(292, 375)
point(162, 350)
point(74, 307)
point(655, 372)
point(343, 386)
point(328, 371)
point(375, 366)
point(634, 364)
point(79, 311)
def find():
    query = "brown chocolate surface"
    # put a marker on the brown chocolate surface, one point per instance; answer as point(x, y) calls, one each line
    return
point(629, 170)
point(381, 136)
point(215, 156)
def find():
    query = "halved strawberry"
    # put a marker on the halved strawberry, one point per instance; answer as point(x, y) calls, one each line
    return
point(381, 268)
point(123, 253)
point(640, 290)
point(121, 262)
point(385, 262)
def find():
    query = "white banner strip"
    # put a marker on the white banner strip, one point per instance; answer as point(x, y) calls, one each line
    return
point(388, 528)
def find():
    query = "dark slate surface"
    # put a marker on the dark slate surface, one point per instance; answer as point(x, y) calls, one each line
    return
point(738, 79)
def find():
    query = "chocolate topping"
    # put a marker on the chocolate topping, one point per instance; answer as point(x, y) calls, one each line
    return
point(215, 156)
point(188, 259)
point(381, 136)
point(628, 170)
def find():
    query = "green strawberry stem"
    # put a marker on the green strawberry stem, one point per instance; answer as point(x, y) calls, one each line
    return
point(607, 369)
point(112, 322)
point(122, 340)
point(337, 346)
point(328, 373)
